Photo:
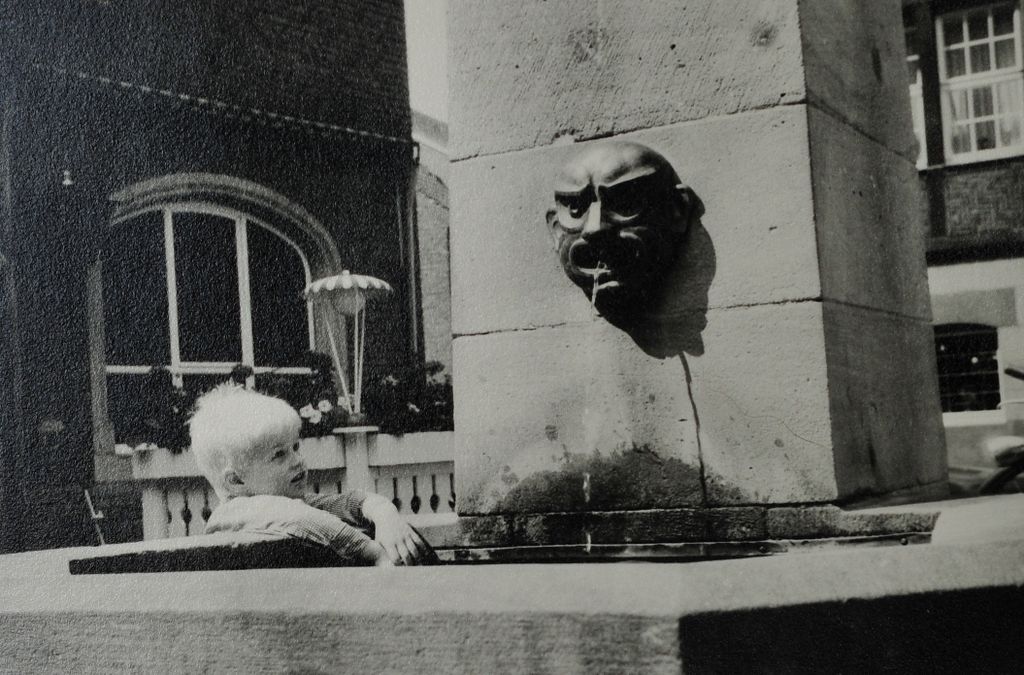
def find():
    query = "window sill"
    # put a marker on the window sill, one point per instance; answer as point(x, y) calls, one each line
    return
point(973, 418)
point(982, 156)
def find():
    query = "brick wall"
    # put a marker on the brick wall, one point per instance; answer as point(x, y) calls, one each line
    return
point(340, 61)
point(977, 212)
point(984, 199)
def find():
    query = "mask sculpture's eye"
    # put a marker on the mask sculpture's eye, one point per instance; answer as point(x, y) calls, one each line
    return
point(573, 206)
point(628, 199)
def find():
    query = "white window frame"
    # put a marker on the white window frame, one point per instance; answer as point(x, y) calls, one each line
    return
point(970, 80)
point(176, 366)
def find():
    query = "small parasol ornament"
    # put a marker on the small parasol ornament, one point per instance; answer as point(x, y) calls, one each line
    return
point(341, 299)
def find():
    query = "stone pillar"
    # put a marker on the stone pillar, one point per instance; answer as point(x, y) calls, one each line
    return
point(813, 381)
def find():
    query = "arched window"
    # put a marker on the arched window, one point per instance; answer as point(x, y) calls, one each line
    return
point(968, 366)
point(200, 274)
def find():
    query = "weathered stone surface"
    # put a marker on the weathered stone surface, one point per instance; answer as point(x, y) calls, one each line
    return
point(853, 60)
point(809, 522)
point(757, 244)
point(579, 69)
point(761, 398)
point(971, 521)
point(810, 205)
point(571, 418)
point(871, 240)
point(884, 400)
point(624, 527)
point(470, 531)
point(962, 603)
point(738, 523)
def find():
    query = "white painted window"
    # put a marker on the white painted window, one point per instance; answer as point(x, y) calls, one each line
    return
point(981, 82)
point(198, 289)
point(916, 99)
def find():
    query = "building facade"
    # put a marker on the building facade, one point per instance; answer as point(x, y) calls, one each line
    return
point(173, 176)
point(966, 78)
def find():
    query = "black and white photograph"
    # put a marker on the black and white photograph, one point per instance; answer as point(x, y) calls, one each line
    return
point(511, 336)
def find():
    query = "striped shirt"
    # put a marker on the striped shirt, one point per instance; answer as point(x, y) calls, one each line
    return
point(335, 521)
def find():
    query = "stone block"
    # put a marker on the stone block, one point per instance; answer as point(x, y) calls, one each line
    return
point(757, 245)
point(883, 393)
point(525, 74)
point(623, 527)
point(760, 393)
point(811, 522)
point(470, 531)
point(854, 67)
point(871, 240)
point(571, 418)
point(738, 523)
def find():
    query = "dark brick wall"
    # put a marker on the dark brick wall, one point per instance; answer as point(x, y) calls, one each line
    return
point(339, 61)
point(981, 208)
point(985, 199)
point(336, 61)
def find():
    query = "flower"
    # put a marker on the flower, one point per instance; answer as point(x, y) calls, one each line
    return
point(307, 411)
point(324, 406)
point(315, 417)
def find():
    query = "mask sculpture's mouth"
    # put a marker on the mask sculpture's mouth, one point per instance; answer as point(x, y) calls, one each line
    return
point(300, 477)
point(605, 262)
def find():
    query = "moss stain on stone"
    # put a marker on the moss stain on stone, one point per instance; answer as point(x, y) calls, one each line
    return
point(633, 477)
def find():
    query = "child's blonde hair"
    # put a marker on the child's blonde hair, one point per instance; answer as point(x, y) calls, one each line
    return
point(229, 422)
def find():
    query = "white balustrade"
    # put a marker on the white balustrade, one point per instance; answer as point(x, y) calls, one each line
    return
point(415, 471)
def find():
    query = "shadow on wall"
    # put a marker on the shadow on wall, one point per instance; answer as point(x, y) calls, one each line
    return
point(675, 328)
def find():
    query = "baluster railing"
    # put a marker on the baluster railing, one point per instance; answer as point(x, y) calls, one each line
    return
point(414, 471)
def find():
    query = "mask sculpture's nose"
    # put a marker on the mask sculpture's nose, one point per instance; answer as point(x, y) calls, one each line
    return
point(593, 224)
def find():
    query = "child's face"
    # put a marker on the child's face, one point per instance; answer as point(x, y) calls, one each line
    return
point(275, 467)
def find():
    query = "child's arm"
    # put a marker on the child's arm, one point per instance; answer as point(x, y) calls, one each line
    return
point(400, 541)
point(293, 518)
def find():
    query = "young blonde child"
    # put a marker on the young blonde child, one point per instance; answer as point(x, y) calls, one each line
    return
point(247, 446)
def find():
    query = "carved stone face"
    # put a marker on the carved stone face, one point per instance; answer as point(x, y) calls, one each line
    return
point(619, 218)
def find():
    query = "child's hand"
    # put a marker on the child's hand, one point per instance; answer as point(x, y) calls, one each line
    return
point(381, 557)
point(403, 545)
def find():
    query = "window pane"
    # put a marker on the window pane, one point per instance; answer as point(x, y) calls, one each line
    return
point(1008, 97)
point(958, 104)
point(279, 318)
point(961, 138)
point(968, 367)
point(197, 385)
point(955, 66)
point(910, 41)
point(135, 292)
point(1003, 19)
point(952, 30)
point(913, 68)
point(1009, 131)
point(980, 61)
point(208, 321)
point(1006, 57)
point(985, 132)
point(977, 25)
point(982, 101)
